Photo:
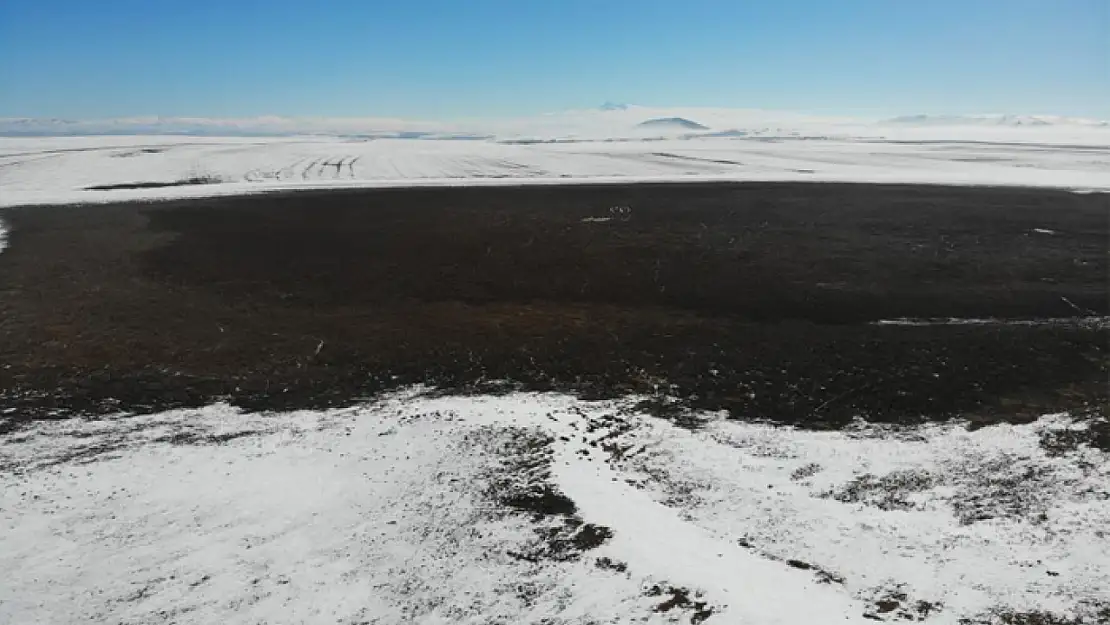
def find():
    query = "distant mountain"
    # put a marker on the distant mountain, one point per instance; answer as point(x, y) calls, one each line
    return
point(611, 121)
point(995, 120)
point(673, 123)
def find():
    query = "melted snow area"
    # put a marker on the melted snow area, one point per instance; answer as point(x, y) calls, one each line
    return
point(544, 509)
point(100, 169)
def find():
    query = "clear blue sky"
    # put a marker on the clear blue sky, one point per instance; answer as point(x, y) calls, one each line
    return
point(445, 59)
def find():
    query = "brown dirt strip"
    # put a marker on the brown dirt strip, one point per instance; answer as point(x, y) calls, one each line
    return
point(758, 299)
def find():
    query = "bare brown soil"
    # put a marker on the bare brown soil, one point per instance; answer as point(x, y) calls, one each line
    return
point(759, 299)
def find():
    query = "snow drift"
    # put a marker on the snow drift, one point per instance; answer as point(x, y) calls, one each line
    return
point(540, 509)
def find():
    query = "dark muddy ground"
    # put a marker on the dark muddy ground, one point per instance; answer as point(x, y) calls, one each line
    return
point(754, 298)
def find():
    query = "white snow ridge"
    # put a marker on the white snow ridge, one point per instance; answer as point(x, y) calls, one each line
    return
point(541, 508)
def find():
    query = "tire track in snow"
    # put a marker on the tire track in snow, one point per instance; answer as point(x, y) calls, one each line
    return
point(289, 171)
point(396, 170)
point(334, 166)
point(670, 163)
point(255, 175)
point(697, 159)
point(31, 160)
point(526, 171)
point(339, 165)
point(308, 168)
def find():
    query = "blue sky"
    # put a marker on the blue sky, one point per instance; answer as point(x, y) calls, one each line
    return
point(443, 59)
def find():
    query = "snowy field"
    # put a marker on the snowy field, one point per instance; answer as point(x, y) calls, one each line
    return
point(39, 171)
point(545, 509)
point(598, 146)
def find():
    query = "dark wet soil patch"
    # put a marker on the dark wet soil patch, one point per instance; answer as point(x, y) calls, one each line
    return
point(139, 152)
point(1060, 442)
point(154, 185)
point(564, 541)
point(545, 501)
point(609, 564)
point(894, 604)
point(892, 491)
point(193, 438)
point(521, 484)
point(756, 299)
point(682, 600)
point(1089, 615)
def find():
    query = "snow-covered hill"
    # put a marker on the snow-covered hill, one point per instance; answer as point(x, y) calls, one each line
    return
point(678, 123)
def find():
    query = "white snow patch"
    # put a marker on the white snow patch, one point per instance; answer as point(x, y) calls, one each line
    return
point(1043, 231)
point(3, 236)
point(968, 520)
point(652, 537)
point(1092, 321)
point(380, 514)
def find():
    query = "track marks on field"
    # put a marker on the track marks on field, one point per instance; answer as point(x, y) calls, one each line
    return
point(27, 161)
point(320, 168)
point(308, 168)
point(290, 170)
point(697, 159)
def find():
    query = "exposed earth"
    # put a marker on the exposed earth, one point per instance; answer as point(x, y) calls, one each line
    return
point(770, 301)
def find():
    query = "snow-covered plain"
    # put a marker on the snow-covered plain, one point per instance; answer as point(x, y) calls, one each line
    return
point(391, 513)
point(408, 510)
point(584, 146)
